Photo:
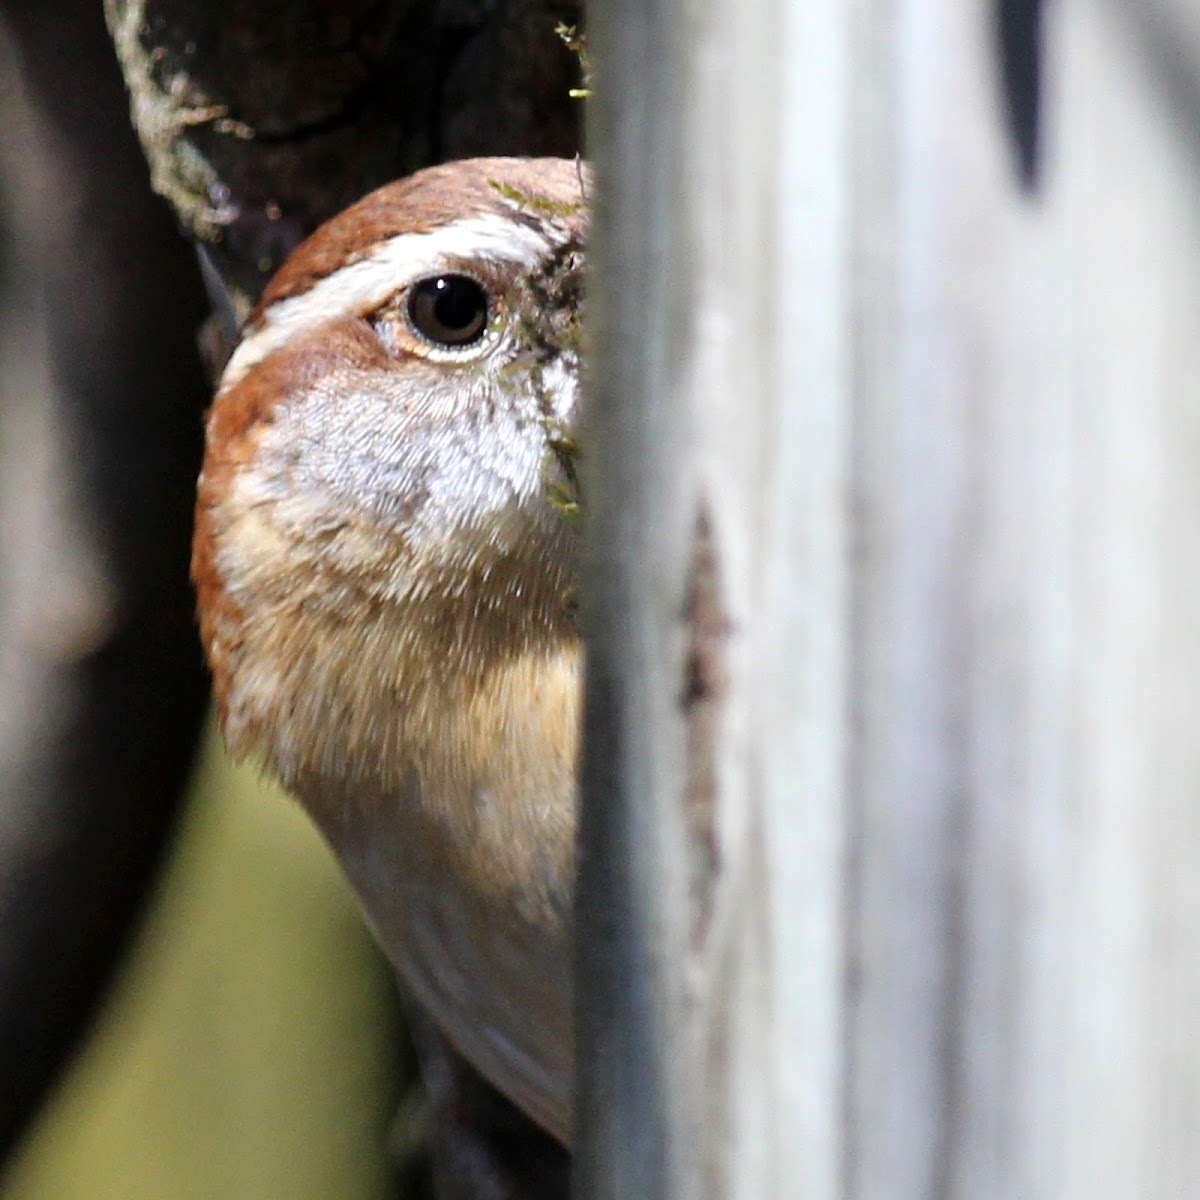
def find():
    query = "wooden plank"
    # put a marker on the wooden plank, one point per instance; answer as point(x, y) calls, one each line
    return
point(632, 884)
point(1025, 649)
point(937, 412)
point(717, 569)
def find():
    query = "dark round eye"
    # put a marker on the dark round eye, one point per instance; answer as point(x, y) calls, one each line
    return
point(449, 310)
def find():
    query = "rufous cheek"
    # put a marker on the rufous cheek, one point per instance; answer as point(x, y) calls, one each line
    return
point(386, 599)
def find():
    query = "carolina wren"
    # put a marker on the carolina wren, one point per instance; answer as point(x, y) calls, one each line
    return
point(385, 574)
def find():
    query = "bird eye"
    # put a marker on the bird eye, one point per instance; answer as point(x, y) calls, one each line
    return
point(448, 310)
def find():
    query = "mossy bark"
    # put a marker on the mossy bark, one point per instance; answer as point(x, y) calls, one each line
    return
point(261, 118)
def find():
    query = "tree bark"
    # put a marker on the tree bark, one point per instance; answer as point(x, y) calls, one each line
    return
point(262, 119)
point(102, 687)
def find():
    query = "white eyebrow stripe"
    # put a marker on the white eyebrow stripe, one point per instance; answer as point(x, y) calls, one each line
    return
point(365, 285)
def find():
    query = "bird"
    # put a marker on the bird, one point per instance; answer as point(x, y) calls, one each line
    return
point(386, 560)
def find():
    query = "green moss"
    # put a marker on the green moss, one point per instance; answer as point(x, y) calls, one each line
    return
point(560, 473)
point(551, 208)
point(576, 42)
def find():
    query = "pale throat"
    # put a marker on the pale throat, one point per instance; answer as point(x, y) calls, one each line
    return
point(351, 682)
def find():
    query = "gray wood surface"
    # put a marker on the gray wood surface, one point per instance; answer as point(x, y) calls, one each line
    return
point(941, 416)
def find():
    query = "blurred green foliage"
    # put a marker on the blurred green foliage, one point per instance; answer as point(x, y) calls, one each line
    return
point(251, 1049)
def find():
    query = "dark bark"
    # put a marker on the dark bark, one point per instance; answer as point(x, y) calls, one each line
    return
point(102, 688)
point(261, 119)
